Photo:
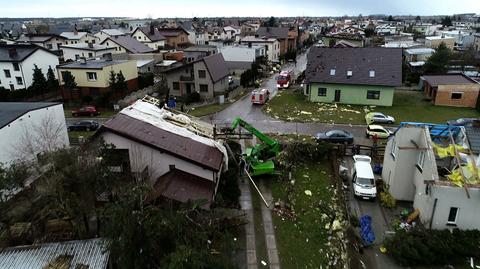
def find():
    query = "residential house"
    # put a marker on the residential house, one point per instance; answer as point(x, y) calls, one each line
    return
point(74, 52)
point(49, 41)
point(216, 33)
point(175, 37)
point(126, 44)
point(172, 152)
point(249, 29)
point(476, 42)
point(240, 57)
point(272, 46)
point(385, 29)
point(149, 36)
point(232, 32)
point(197, 52)
point(333, 39)
point(418, 167)
point(207, 76)
point(435, 41)
point(416, 57)
point(76, 37)
point(451, 90)
point(281, 34)
point(361, 76)
point(18, 61)
point(106, 33)
point(92, 77)
point(32, 121)
point(89, 253)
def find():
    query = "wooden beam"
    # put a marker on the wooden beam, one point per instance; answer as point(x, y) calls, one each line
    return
point(457, 158)
point(411, 148)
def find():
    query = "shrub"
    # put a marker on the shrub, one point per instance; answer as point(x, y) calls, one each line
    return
point(421, 247)
point(387, 200)
point(191, 98)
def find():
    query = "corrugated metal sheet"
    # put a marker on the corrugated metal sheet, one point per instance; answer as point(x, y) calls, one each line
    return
point(84, 252)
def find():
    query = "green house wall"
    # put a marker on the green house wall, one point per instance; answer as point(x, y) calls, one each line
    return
point(351, 94)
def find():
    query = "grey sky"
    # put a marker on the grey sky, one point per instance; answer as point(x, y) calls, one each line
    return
point(212, 8)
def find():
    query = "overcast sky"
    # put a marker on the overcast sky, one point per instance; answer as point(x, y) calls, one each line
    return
point(227, 8)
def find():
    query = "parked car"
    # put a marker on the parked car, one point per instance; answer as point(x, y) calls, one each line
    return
point(84, 125)
point(335, 136)
point(363, 178)
point(379, 118)
point(462, 122)
point(378, 130)
point(86, 111)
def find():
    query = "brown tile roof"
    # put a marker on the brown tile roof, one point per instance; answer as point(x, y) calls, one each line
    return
point(176, 145)
point(435, 80)
point(276, 32)
point(172, 32)
point(181, 186)
point(155, 36)
point(130, 44)
point(386, 62)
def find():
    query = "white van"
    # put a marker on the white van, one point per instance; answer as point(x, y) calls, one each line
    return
point(363, 178)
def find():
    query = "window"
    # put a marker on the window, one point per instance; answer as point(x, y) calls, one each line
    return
point(307, 90)
point(92, 76)
point(49, 46)
point(373, 95)
point(7, 73)
point(19, 80)
point(90, 55)
point(372, 73)
point(332, 72)
point(202, 74)
point(393, 151)
point(457, 95)
point(349, 73)
point(420, 160)
point(203, 88)
point(176, 86)
point(77, 56)
point(452, 215)
point(16, 67)
point(322, 91)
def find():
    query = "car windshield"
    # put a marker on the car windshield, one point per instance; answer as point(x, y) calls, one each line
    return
point(334, 133)
point(365, 181)
point(282, 77)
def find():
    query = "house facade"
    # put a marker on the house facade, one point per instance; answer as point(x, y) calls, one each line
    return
point(126, 44)
point(90, 50)
point(271, 45)
point(197, 52)
point(456, 90)
point(32, 121)
point(334, 75)
point(286, 37)
point(76, 37)
point(49, 41)
point(149, 36)
point(435, 41)
point(92, 77)
point(207, 76)
point(175, 37)
point(413, 171)
point(17, 62)
point(106, 33)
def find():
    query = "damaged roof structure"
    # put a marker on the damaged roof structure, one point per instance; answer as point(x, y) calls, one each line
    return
point(176, 153)
point(436, 167)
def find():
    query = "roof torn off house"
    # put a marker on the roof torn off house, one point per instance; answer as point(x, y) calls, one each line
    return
point(174, 152)
point(437, 168)
point(62, 255)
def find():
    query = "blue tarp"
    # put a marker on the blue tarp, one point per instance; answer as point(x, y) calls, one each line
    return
point(366, 231)
point(436, 130)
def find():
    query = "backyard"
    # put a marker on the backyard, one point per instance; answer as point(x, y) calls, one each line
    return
point(407, 106)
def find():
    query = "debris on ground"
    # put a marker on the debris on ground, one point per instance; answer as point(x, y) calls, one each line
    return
point(284, 211)
point(308, 192)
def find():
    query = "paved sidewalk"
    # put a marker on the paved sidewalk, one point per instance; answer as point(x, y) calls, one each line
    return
point(270, 240)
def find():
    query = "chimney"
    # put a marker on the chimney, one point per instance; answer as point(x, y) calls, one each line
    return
point(12, 52)
point(83, 60)
point(90, 45)
point(107, 57)
point(75, 32)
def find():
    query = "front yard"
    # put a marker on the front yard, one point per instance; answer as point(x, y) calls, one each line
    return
point(407, 106)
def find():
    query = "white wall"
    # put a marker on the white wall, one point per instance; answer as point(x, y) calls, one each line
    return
point(69, 53)
point(158, 163)
point(14, 135)
point(272, 48)
point(239, 54)
point(41, 58)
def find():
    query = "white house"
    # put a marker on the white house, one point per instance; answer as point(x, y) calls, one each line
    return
point(106, 33)
point(126, 44)
point(27, 129)
point(77, 51)
point(232, 32)
point(242, 53)
point(79, 38)
point(173, 152)
point(150, 37)
point(420, 166)
point(272, 46)
point(18, 61)
point(48, 41)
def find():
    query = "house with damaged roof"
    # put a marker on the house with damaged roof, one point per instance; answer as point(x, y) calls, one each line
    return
point(359, 76)
point(174, 153)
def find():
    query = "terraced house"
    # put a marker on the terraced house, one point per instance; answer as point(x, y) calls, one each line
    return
point(359, 76)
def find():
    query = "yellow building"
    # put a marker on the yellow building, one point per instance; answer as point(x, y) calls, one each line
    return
point(435, 41)
point(93, 77)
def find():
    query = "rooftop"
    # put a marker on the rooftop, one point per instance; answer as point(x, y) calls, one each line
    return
point(420, 51)
point(20, 52)
point(79, 254)
point(129, 43)
point(438, 37)
point(275, 32)
point(112, 32)
point(74, 35)
point(91, 64)
point(85, 46)
point(152, 33)
point(10, 111)
point(258, 39)
point(34, 38)
point(447, 79)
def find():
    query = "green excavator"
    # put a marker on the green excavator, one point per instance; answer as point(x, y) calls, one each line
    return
point(259, 158)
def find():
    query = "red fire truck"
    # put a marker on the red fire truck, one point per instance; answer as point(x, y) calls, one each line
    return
point(284, 79)
point(260, 96)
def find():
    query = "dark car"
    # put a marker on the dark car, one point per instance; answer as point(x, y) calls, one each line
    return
point(461, 122)
point(84, 125)
point(86, 111)
point(335, 136)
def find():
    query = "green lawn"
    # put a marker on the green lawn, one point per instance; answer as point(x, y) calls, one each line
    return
point(304, 243)
point(407, 106)
point(74, 135)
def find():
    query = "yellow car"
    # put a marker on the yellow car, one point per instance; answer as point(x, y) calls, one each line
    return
point(378, 130)
point(379, 118)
